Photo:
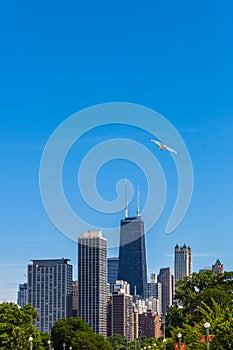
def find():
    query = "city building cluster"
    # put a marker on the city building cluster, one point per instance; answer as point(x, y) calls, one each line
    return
point(113, 295)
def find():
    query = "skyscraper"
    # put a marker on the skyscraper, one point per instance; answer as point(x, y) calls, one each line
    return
point(122, 311)
point(92, 279)
point(22, 295)
point(183, 262)
point(75, 298)
point(165, 278)
point(112, 271)
point(132, 255)
point(154, 294)
point(154, 288)
point(50, 291)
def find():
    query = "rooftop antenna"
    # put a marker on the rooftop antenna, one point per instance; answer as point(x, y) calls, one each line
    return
point(126, 198)
point(138, 210)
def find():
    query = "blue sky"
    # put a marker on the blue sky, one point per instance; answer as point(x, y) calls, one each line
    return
point(58, 58)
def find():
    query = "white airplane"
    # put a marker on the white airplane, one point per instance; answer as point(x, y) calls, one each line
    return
point(162, 146)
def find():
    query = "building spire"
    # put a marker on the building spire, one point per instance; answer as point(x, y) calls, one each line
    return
point(126, 198)
point(138, 209)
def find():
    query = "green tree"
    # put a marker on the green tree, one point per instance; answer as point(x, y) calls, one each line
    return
point(16, 325)
point(117, 341)
point(191, 336)
point(45, 337)
point(212, 304)
point(205, 297)
point(76, 333)
point(221, 321)
point(204, 287)
point(174, 318)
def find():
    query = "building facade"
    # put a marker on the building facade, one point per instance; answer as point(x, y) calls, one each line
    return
point(166, 279)
point(183, 262)
point(148, 324)
point(50, 291)
point(112, 274)
point(132, 255)
point(92, 280)
point(22, 295)
point(75, 298)
point(218, 268)
point(154, 290)
point(122, 314)
point(154, 294)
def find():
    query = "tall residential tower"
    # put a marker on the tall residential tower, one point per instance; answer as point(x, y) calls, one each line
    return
point(122, 310)
point(50, 291)
point(92, 280)
point(166, 279)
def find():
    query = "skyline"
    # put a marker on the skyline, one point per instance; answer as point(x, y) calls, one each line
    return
point(57, 59)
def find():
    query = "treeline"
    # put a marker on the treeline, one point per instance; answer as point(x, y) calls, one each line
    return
point(201, 298)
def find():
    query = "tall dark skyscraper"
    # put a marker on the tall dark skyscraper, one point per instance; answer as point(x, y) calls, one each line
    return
point(112, 271)
point(132, 254)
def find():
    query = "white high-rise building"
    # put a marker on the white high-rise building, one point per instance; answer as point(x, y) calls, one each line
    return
point(122, 287)
point(92, 279)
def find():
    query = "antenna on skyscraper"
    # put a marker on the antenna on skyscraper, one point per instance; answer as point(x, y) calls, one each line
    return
point(138, 209)
point(126, 198)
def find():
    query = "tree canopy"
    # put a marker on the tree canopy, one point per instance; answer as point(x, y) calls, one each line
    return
point(76, 333)
point(16, 327)
point(205, 297)
point(201, 287)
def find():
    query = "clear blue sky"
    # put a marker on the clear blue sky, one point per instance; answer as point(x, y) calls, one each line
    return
point(58, 58)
